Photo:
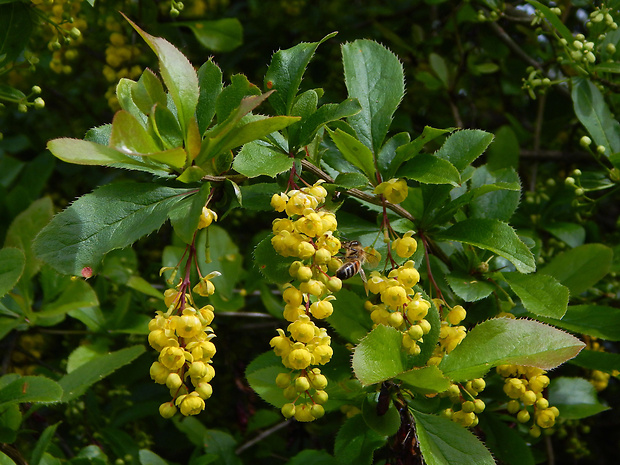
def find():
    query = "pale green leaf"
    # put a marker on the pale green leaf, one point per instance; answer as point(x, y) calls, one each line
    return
point(178, 75)
point(506, 341)
point(443, 442)
point(378, 357)
point(354, 152)
point(426, 380)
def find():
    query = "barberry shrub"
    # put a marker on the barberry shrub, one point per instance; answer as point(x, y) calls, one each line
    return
point(447, 336)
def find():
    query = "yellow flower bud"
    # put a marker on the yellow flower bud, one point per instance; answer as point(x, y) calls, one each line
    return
point(192, 404)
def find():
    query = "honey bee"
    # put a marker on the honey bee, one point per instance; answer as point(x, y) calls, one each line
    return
point(355, 256)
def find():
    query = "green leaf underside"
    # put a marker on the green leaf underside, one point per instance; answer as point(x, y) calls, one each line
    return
point(429, 169)
point(426, 380)
point(178, 75)
point(374, 76)
point(256, 159)
point(493, 235)
point(30, 389)
point(378, 356)
point(540, 294)
point(467, 287)
point(443, 442)
point(575, 398)
point(112, 217)
point(79, 380)
point(593, 112)
point(580, 268)
point(509, 341)
point(593, 320)
point(12, 262)
point(261, 373)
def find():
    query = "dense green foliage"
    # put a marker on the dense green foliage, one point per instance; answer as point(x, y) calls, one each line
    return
point(482, 131)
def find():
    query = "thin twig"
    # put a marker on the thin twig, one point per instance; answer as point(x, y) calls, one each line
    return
point(261, 436)
point(375, 200)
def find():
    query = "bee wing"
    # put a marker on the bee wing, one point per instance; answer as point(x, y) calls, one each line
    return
point(373, 257)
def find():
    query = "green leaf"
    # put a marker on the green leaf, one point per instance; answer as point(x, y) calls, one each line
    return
point(148, 91)
point(575, 398)
point(235, 96)
point(312, 457)
point(163, 123)
point(349, 318)
point(258, 196)
point(354, 152)
point(493, 235)
point(426, 380)
point(124, 95)
point(504, 151)
point(16, 24)
point(351, 180)
point(148, 457)
point(572, 234)
point(461, 148)
point(273, 267)
point(83, 152)
point(355, 442)
point(261, 374)
point(596, 360)
point(410, 150)
point(379, 357)
point(385, 424)
point(30, 389)
point(593, 320)
point(580, 268)
point(286, 71)
point(593, 112)
point(12, 262)
point(220, 35)
point(438, 65)
point(210, 81)
point(443, 442)
point(506, 341)
point(42, 444)
point(497, 204)
point(468, 287)
point(325, 114)
point(178, 75)
point(185, 215)
point(79, 380)
point(258, 158)
point(540, 294)
point(78, 294)
point(505, 442)
point(10, 421)
point(5, 459)
point(374, 76)
point(24, 229)
point(112, 217)
point(429, 169)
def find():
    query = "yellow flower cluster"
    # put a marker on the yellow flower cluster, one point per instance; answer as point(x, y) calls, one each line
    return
point(401, 307)
point(182, 336)
point(306, 234)
point(465, 398)
point(451, 333)
point(524, 386)
point(120, 57)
